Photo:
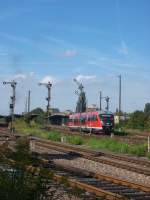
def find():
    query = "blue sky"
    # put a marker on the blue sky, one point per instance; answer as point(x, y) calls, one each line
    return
point(58, 40)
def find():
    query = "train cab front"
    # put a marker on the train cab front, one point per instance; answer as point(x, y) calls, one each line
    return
point(107, 121)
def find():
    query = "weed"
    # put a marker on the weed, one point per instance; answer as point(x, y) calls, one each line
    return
point(148, 155)
point(105, 143)
point(55, 136)
point(77, 140)
point(139, 150)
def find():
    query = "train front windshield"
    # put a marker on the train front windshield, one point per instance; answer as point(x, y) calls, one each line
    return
point(107, 119)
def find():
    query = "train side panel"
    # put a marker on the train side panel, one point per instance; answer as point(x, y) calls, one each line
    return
point(92, 121)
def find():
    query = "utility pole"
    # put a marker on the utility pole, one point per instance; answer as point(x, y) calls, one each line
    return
point(119, 96)
point(100, 100)
point(26, 106)
point(48, 98)
point(12, 104)
point(29, 100)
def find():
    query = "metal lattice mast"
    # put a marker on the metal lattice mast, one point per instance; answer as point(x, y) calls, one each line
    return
point(12, 104)
point(81, 103)
point(107, 99)
point(107, 103)
point(48, 98)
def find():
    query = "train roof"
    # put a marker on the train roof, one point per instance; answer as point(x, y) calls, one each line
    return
point(93, 112)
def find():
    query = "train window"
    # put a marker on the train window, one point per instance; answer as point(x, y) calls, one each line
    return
point(106, 118)
point(91, 118)
point(83, 119)
point(88, 118)
point(94, 118)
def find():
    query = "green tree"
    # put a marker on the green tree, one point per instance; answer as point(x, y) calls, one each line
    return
point(137, 120)
point(38, 111)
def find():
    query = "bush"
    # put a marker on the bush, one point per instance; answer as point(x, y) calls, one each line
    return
point(148, 155)
point(77, 140)
point(138, 150)
point(119, 147)
point(55, 136)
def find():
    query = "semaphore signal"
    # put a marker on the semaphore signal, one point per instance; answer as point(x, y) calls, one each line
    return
point(12, 104)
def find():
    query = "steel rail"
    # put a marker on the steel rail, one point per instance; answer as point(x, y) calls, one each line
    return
point(101, 176)
point(100, 153)
point(87, 186)
point(98, 191)
point(86, 153)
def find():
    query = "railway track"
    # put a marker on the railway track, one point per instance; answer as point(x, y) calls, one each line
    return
point(98, 184)
point(134, 139)
point(102, 186)
point(6, 135)
point(135, 165)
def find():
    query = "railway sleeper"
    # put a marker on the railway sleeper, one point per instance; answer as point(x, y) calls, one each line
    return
point(122, 190)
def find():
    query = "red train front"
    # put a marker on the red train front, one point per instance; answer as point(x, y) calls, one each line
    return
point(92, 122)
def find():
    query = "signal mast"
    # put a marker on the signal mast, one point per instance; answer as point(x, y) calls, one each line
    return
point(12, 104)
point(48, 98)
point(107, 99)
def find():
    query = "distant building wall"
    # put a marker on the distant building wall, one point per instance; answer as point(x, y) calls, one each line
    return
point(116, 118)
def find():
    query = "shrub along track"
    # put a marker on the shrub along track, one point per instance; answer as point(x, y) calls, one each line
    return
point(140, 166)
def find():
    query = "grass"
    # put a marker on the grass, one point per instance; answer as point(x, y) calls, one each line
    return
point(117, 146)
point(55, 136)
point(148, 155)
point(105, 144)
point(109, 144)
point(76, 140)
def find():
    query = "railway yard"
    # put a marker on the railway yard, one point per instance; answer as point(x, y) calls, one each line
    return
point(75, 100)
point(100, 174)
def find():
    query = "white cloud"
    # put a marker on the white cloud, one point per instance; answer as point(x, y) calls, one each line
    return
point(124, 49)
point(20, 76)
point(69, 53)
point(81, 77)
point(48, 78)
point(31, 74)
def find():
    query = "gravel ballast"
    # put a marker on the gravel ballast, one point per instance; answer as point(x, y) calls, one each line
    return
point(97, 167)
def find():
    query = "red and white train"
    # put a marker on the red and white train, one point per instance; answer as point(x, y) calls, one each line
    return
point(92, 122)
